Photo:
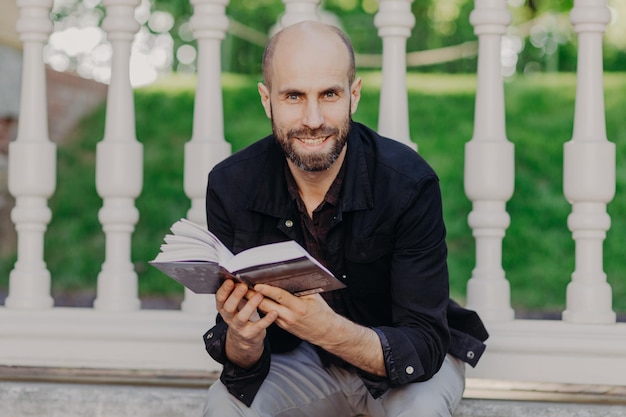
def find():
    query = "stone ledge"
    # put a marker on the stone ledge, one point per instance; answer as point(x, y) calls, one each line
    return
point(90, 376)
point(503, 408)
point(476, 389)
point(36, 399)
point(481, 389)
point(56, 392)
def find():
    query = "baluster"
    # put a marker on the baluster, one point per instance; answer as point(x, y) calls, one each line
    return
point(394, 21)
point(589, 172)
point(119, 166)
point(32, 164)
point(298, 11)
point(489, 167)
point(207, 145)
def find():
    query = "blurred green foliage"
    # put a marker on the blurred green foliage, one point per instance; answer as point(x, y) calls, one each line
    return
point(540, 38)
point(538, 250)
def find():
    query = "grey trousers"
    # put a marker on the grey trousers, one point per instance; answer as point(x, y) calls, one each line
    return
point(298, 385)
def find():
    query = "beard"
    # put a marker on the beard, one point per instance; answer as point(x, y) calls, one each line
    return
point(313, 161)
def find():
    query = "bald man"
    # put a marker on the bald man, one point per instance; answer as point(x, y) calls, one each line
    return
point(391, 343)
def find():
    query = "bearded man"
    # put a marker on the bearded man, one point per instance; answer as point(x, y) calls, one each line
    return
point(391, 343)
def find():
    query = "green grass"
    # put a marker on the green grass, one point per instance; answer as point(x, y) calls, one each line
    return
point(538, 251)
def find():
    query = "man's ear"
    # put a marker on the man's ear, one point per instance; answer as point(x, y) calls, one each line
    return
point(264, 92)
point(355, 92)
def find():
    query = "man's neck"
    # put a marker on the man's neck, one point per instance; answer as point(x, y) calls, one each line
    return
point(313, 186)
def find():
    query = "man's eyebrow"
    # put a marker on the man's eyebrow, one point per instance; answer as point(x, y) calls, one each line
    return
point(337, 88)
point(289, 91)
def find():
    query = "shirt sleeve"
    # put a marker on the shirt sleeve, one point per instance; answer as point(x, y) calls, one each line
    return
point(416, 345)
point(243, 384)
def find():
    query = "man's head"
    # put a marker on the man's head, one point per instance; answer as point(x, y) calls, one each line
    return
point(270, 48)
point(309, 92)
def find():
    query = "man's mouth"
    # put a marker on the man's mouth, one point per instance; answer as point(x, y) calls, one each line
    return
point(313, 141)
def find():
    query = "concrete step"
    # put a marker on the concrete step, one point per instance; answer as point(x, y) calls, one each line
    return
point(71, 392)
point(38, 399)
point(491, 398)
point(37, 392)
point(502, 408)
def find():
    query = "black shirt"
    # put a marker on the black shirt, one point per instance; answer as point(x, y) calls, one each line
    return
point(385, 239)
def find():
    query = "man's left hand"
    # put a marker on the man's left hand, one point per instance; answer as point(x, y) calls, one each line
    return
point(309, 317)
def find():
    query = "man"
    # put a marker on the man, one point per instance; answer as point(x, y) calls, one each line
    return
point(367, 207)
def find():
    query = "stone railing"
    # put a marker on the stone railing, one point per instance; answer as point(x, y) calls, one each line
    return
point(586, 346)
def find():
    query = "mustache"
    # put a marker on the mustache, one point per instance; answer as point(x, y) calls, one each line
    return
point(305, 132)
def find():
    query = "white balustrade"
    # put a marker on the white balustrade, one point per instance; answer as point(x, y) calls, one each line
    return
point(394, 21)
point(589, 172)
point(32, 164)
point(489, 167)
point(207, 145)
point(119, 166)
point(117, 334)
point(299, 11)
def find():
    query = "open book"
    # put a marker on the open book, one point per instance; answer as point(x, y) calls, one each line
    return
point(196, 258)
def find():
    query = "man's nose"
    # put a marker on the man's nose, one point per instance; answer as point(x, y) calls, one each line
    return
point(313, 117)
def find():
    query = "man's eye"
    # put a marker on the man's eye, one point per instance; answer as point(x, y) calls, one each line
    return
point(292, 96)
point(330, 94)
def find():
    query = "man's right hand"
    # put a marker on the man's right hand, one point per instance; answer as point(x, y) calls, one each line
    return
point(237, 304)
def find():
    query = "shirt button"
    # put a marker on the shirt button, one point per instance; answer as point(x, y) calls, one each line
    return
point(470, 355)
point(209, 335)
point(288, 223)
point(409, 370)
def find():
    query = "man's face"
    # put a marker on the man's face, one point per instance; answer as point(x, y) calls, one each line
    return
point(313, 149)
point(311, 102)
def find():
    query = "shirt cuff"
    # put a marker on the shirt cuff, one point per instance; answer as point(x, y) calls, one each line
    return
point(242, 383)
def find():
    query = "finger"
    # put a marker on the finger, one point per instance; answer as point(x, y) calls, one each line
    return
point(267, 320)
point(268, 305)
point(231, 305)
point(223, 292)
point(248, 296)
point(250, 293)
point(248, 311)
point(279, 295)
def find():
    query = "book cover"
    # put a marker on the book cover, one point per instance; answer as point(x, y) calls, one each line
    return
point(194, 257)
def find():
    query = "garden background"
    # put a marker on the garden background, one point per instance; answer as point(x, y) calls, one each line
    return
point(539, 60)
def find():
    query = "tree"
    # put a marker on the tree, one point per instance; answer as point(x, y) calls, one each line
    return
point(541, 37)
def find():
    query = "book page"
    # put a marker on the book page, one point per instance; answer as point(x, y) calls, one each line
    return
point(193, 256)
point(186, 253)
point(192, 232)
point(268, 254)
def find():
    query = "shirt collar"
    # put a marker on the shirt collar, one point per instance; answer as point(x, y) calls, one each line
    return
point(332, 195)
point(273, 196)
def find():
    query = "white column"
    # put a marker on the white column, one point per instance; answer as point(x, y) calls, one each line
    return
point(394, 21)
point(207, 145)
point(489, 168)
point(119, 166)
point(589, 172)
point(299, 11)
point(32, 164)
